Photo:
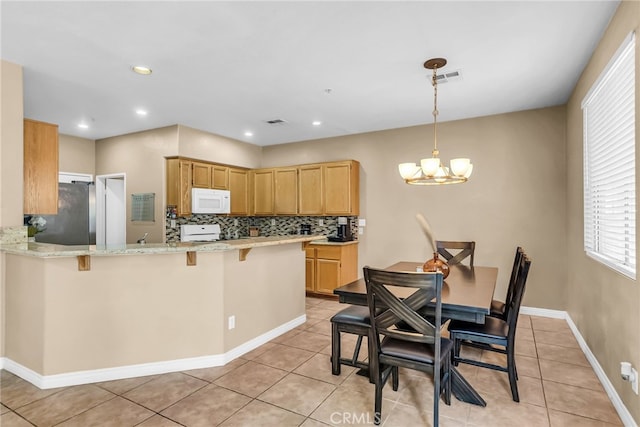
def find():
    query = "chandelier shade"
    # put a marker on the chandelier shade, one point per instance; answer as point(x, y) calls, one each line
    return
point(431, 171)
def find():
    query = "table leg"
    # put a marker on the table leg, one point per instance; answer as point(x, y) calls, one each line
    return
point(463, 391)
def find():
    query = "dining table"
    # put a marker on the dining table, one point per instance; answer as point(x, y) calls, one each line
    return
point(467, 293)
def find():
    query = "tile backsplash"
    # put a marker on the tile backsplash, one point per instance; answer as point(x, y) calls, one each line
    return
point(233, 227)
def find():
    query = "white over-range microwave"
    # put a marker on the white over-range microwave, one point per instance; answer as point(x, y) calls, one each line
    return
point(205, 201)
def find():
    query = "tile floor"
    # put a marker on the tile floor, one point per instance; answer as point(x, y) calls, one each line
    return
point(288, 382)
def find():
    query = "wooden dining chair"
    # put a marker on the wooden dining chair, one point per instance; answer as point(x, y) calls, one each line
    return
point(494, 332)
point(420, 348)
point(498, 308)
point(466, 249)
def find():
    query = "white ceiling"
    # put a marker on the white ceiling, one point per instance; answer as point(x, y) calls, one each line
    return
point(227, 67)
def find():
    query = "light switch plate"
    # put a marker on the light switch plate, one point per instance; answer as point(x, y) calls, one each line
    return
point(362, 222)
point(321, 222)
point(173, 223)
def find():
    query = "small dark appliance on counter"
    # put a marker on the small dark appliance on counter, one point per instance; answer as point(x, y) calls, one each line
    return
point(305, 229)
point(344, 231)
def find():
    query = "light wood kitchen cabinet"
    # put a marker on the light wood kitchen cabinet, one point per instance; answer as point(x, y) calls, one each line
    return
point(262, 191)
point(330, 266)
point(179, 181)
point(219, 177)
point(341, 188)
point(286, 191)
point(329, 188)
point(40, 168)
point(310, 190)
point(239, 188)
point(201, 175)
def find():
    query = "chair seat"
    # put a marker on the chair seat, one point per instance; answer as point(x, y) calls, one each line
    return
point(492, 328)
point(419, 352)
point(497, 308)
point(353, 315)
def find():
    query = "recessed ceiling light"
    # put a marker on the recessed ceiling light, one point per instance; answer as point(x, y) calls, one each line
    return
point(145, 71)
point(316, 123)
point(141, 112)
point(248, 133)
point(83, 126)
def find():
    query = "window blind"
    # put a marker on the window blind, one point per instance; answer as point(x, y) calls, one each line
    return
point(609, 164)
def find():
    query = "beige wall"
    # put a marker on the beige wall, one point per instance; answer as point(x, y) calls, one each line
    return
point(141, 157)
point(202, 145)
point(11, 153)
point(602, 303)
point(516, 195)
point(76, 155)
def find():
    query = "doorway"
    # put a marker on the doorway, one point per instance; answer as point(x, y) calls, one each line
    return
point(111, 209)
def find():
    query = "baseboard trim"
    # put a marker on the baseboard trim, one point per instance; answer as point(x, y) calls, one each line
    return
point(144, 369)
point(617, 402)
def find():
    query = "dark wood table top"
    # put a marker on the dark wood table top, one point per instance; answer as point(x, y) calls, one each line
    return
point(466, 293)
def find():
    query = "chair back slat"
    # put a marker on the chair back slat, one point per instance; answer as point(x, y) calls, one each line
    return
point(513, 310)
point(466, 250)
point(513, 279)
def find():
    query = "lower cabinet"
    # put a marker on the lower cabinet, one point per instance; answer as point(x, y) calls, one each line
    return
point(330, 266)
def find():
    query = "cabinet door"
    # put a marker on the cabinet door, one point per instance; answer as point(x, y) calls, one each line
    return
point(201, 175)
point(310, 274)
point(263, 192)
point(327, 275)
point(310, 190)
point(286, 191)
point(337, 183)
point(219, 177)
point(184, 205)
point(40, 168)
point(239, 188)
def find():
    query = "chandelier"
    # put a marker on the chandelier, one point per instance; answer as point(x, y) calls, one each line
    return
point(431, 170)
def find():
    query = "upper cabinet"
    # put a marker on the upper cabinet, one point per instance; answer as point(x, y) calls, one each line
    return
point(219, 177)
point(201, 175)
point(40, 168)
point(239, 188)
point(179, 184)
point(286, 191)
point(329, 188)
point(262, 191)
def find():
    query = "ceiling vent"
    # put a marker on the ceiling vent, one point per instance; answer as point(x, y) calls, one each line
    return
point(451, 76)
point(275, 122)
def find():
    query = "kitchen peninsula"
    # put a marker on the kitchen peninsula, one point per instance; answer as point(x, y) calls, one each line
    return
point(143, 309)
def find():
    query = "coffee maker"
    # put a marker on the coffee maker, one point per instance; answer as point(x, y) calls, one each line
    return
point(344, 230)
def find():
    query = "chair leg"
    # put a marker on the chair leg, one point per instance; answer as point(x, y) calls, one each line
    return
point(371, 358)
point(378, 401)
point(356, 352)
point(511, 368)
point(394, 378)
point(335, 349)
point(447, 385)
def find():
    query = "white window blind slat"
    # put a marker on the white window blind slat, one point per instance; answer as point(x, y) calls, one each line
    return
point(609, 164)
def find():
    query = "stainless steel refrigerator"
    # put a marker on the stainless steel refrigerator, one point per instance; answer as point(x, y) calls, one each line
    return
point(75, 223)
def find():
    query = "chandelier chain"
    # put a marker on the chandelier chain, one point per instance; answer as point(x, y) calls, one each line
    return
point(434, 82)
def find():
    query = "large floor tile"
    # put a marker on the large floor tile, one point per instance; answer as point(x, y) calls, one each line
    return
point(567, 373)
point(16, 392)
point(501, 412)
point(158, 421)
point(251, 379)
point(11, 419)
point(562, 354)
point(258, 351)
point(321, 326)
point(122, 386)
point(548, 324)
point(116, 412)
point(349, 407)
point(209, 406)
point(212, 374)
point(308, 341)
point(496, 383)
point(3, 409)
point(319, 368)
point(259, 413)
point(405, 415)
point(317, 312)
point(284, 357)
point(165, 390)
point(64, 405)
point(562, 339)
point(527, 366)
point(298, 394)
point(562, 419)
point(580, 401)
point(418, 392)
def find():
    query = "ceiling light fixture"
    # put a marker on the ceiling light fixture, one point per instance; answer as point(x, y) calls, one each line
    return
point(145, 71)
point(431, 171)
point(83, 126)
point(248, 133)
point(316, 123)
point(141, 112)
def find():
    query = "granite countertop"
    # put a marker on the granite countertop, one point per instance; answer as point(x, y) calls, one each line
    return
point(46, 250)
